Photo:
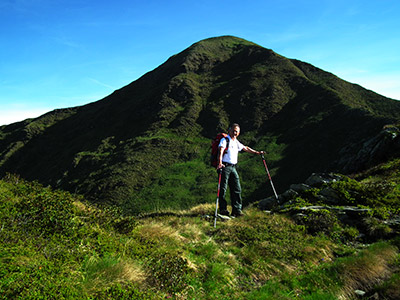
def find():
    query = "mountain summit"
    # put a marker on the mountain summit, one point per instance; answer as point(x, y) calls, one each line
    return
point(146, 145)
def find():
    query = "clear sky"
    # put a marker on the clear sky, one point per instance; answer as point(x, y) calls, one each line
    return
point(64, 53)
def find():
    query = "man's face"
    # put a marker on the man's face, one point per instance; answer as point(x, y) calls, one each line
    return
point(235, 131)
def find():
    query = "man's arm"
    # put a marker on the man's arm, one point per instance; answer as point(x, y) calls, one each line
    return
point(249, 150)
point(220, 154)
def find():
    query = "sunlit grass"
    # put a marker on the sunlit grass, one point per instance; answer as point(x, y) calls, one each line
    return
point(101, 254)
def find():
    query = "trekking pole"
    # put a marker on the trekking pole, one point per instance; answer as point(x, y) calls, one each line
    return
point(216, 204)
point(269, 176)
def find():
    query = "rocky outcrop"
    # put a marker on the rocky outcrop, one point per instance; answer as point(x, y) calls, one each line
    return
point(329, 205)
point(314, 181)
point(372, 151)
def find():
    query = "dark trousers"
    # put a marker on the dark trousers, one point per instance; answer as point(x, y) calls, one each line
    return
point(230, 177)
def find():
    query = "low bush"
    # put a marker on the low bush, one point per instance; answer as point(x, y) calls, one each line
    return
point(169, 271)
point(321, 221)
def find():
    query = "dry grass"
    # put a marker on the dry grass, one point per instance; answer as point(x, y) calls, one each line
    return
point(132, 272)
point(203, 209)
point(160, 233)
point(367, 269)
point(102, 272)
point(192, 232)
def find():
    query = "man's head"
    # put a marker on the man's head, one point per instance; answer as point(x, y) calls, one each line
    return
point(234, 130)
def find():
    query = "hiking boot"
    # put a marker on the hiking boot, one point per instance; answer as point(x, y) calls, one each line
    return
point(237, 214)
point(224, 212)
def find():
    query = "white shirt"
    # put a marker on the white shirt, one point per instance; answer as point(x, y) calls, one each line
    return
point(235, 146)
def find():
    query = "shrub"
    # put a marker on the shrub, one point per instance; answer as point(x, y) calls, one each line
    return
point(350, 233)
point(377, 228)
point(169, 271)
point(43, 211)
point(319, 221)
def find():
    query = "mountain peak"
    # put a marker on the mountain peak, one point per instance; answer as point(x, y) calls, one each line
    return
point(205, 54)
point(226, 41)
point(135, 141)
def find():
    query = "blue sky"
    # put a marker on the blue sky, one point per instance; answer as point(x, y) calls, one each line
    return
point(64, 53)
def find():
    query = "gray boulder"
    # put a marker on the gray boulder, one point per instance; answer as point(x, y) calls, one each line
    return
point(288, 195)
point(329, 195)
point(371, 151)
point(300, 187)
point(268, 203)
point(318, 179)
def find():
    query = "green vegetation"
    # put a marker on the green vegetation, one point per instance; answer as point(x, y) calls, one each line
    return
point(377, 189)
point(146, 146)
point(56, 245)
point(180, 186)
point(139, 159)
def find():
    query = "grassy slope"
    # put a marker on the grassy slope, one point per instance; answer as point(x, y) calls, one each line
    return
point(55, 246)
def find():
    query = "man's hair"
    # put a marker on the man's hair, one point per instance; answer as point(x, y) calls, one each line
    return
point(234, 125)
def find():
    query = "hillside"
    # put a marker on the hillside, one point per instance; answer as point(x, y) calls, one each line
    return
point(146, 146)
point(58, 246)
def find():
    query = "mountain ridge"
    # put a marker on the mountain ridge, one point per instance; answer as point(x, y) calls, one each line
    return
point(116, 149)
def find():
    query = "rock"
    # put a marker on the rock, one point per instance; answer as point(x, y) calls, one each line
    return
point(394, 222)
point(268, 203)
point(360, 293)
point(299, 216)
point(330, 195)
point(288, 195)
point(354, 211)
point(300, 187)
point(348, 214)
point(317, 180)
point(313, 208)
point(371, 151)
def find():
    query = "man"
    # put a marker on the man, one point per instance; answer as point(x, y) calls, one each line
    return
point(227, 160)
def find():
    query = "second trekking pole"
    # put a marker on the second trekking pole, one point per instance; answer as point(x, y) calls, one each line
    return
point(216, 204)
point(269, 176)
